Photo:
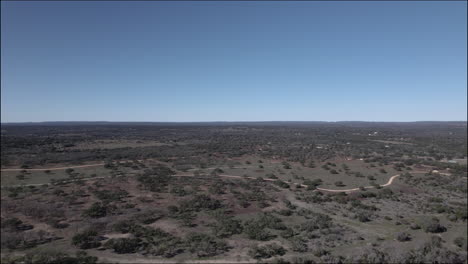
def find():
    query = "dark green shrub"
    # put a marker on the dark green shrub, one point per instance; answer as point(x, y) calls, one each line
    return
point(459, 241)
point(98, 210)
point(148, 217)
point(14, 224)
point(298, 244)
point(86, 239)
point(285, 212)
point(281, 184)
point(49, 256)
point(204, 245)
point(124, 226)
point(362, 216)
point(123, 245)
point(110, 196)
point(227, 227)
point(339, 184)
point(403, 236)
point(316, 221)
point(288, 233)
point(256, 231)
point(267, 251)
point(433, 226)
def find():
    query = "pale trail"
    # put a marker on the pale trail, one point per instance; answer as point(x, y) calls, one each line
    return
point(390, 181)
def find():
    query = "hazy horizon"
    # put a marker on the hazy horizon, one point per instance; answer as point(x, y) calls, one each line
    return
point(229, 61)
point(240, 121)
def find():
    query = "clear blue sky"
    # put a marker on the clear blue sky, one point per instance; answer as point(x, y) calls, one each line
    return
point(233, 61)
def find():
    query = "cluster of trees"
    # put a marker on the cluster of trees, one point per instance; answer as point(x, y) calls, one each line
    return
point(22, 144)
point(50, 256)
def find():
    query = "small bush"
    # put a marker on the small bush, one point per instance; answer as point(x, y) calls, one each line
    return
point(403, 236)
point(204, 245)
point(267, 251)
point(123, 245)
point(256, 231)
point(49, 256)
point(148, 217)
point(433, 226)
point(14, 224)
point(459, 241)
point(299, 244)
point(98, 210)
point(227, 227)
point(339, 183)
point(86, 239)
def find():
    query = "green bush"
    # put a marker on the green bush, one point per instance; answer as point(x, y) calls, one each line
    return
point(124, 226)
point(98, 210)
point(288, 233)
point(316, 221)
point(363, 216)
point(110, 196)
point(156, 179)
point(459, 241)
point(148, 217)
point(268, 220)
point(157, 242)
point(433, 226)
point(313, 183)
point(339, 184)
point(256, 231)
point(281, 184)
point(267, 251)
point(285, 212)
point(204, 245)
point(227, 227)
point(14, 224)
point(403, 236)
point(298, 244)
point(200, 202)
point(86, 239)
point(123, 245)
point(50, 256)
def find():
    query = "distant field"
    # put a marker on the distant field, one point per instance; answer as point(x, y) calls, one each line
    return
point(156, 194)
point(41, 177)
point(114, 144)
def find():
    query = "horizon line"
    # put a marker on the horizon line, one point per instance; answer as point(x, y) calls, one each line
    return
point(257, 121)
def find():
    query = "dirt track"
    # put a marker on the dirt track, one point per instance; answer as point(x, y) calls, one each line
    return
point(389, 182)
point(94, 165)
point(57, 168)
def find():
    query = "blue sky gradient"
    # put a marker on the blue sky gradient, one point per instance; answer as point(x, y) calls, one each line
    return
point(233, 61)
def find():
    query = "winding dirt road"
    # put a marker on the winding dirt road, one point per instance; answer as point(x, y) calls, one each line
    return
point(102, 164)
point(389, 182)
point(57, 168)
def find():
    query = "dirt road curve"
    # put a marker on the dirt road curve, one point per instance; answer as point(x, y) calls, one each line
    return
point(96, 165)
point(390, 181)
point(57, 168)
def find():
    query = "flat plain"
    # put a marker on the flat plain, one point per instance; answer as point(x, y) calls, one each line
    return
point(274, 192)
